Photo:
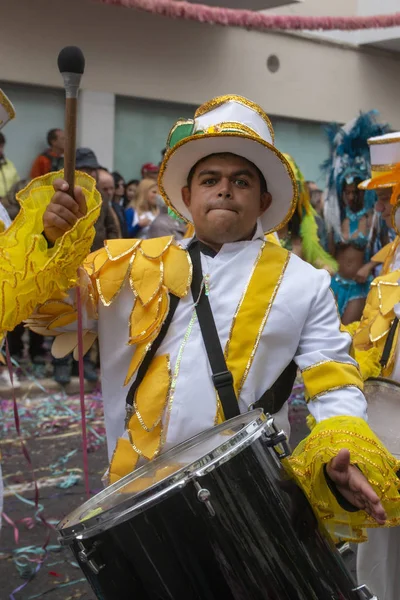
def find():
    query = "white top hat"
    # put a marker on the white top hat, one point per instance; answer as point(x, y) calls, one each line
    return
point(385, 156)
point(7, 111)
point(229, 124)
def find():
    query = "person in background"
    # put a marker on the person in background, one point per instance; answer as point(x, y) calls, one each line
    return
point(163, 152)
point(143, 210)
point(10, 202)
point(130, 192)
point(107, 223)
point(164, 225)
point(106, 187)
point(8, 173)
point(348, 214)
point(51, 159)
point(377, 342)
point(150, 171)
point(317, 202)
point(37, 350)
point(119, 188)
point(300, 234)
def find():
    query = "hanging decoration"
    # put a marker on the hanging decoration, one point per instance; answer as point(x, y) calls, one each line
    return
point(249, 19)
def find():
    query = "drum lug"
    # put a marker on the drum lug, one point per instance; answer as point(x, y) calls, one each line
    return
point(276, 439)
point(364, 593)
point(84, 556)
point(204, 495)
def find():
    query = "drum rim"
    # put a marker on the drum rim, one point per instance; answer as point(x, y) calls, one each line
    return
point(108, 519)
point(382, 380)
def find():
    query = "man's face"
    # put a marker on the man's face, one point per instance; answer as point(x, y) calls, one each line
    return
point(106, 186)
point(383, 205)
point(59, 142)
point(225, 199)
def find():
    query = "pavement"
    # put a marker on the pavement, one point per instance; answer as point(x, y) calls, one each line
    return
point(35, 387)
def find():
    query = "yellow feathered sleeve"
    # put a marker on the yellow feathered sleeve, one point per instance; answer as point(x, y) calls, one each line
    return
point(366, 451)
point(30, 271)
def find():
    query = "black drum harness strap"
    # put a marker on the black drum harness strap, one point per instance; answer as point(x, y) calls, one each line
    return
point(271, 401)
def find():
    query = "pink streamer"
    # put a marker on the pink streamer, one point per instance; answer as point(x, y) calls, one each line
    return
point(255, 20)
point(14, 526)
point(82, 391)
point(24, 447)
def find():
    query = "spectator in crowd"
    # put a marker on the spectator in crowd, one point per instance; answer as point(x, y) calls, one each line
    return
point(143, 210)
point(106, 228)
point(51, 159)
point(37, 350)
point(164, 225)
point(106, 187)
point(130, 192)
point(150, 171)
point(8, 173)
point(119, 185)
point(10, 202)
point(106, 225)
point(316, 199)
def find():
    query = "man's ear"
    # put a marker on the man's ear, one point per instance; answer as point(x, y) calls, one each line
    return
point(186, 196)
point(265, 202)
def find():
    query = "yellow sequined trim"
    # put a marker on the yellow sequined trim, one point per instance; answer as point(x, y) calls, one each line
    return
point(232, 126)
point(53, 315)
point(376, 463)
point(179, 123)
point(385, 141)
point(117, 249)
point(155, 386)
point(379, 313)
point(123, 461)
point(6, 104)
point(146, 278)
point(383, 168)
point(220, 100)
point(253, 311)
point(329, 376)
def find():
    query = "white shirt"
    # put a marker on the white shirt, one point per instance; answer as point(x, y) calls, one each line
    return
point(303, 324)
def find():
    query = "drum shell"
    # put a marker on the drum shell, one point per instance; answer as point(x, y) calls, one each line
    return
point(383, 397)
point(262, 544)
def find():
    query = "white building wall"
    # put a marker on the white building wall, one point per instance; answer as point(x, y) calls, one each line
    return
point(135, 54)
point(97, 125)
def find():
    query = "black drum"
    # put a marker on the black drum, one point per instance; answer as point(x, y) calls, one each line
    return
point(215, 518)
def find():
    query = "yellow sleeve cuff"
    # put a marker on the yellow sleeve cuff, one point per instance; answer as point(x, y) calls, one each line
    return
point(330, 376)
point(30, 271)
point(367, 452)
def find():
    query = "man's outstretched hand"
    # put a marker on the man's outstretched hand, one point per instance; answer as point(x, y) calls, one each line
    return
point(353, 486)
point(63, 211)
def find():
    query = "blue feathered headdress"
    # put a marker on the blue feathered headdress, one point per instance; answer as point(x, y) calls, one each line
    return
point(349, 160)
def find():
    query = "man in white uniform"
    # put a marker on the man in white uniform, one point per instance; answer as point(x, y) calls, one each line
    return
point(378, 561)
point(222, 173)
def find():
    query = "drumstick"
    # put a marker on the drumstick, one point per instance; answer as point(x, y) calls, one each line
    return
point(71, 64)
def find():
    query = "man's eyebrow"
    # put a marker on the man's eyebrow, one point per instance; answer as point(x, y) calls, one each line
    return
point(235, 174)
point(208, 172)
point(244, 172)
